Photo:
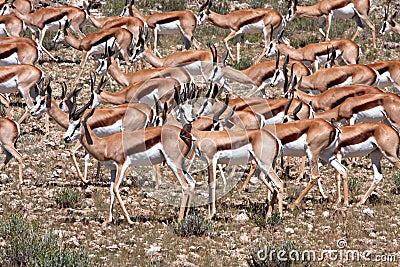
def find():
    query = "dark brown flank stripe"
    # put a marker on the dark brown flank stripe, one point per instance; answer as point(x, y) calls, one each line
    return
point(250, 21)
point(367, 105)
point(104, 39)
point(102, 122)
point(341, 100)
point(292, 136)
point(354, 140)
point(9, 52)
point(167, 20)
point(382, 70)
point(149, 143)
point(337, 81)
point(7, 76)
point(324, 51)
point(55, 18)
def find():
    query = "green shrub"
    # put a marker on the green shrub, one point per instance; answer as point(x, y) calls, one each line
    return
point(26, 245)
point(257, 212)
point(68, 198)
point(396, 181)
point(192, 225)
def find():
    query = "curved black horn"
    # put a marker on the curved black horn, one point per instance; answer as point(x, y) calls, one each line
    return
point(203, 6)
point(222, 110)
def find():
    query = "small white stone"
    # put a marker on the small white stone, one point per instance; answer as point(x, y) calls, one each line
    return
point(241, 217)
point(153, 249)
point(368, 212)
point(325, 214)
point(289, 230)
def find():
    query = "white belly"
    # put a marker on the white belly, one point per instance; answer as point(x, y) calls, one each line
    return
point(296, 148)
point(252, 28)
point(235, 156)
point(54, 26)
point(149, 98)
point(195, 68)
point(373, 114)
point(359, 150)
point(101, 48)
point(3, 30)
point(385, 79)
point(324, 58)
point(108, 130)
point(146, 158)
point(348, 81)
point(9, 86)
point(169, 28)
point(345, 12)
point(278, 118)
point(11, 60)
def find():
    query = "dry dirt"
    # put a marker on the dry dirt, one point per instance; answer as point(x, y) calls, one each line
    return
point(316, 225)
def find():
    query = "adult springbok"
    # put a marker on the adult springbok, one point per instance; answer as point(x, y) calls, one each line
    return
point(355, 9)
point(149, 146)
point(173, 22)
point(265, 20)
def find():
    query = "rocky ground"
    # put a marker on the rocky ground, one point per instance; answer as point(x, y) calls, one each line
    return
point(151, 241)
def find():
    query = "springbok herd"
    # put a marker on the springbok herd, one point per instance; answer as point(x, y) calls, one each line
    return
point(332, 108)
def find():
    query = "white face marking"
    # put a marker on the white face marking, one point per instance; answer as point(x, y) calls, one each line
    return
point(272, 49)
point(73, 131)
point(385, 28)
point(40, 106)
point(277, 78)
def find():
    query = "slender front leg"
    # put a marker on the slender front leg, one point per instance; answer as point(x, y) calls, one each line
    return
point(238, 40)
point(76, 165)
point(246, 182)
point(230, 36)
point(212, 168)
point(120, 176)
point(376, 157)
point(112, 196)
